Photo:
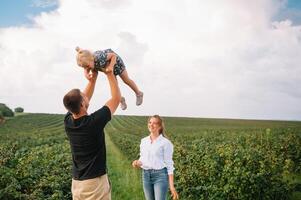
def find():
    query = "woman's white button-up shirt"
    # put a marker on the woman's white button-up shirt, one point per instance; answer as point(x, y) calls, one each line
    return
point(156, 154)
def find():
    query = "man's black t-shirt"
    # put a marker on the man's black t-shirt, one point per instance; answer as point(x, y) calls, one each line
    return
point(87, 141)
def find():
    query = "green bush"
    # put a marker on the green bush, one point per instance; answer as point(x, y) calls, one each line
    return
point(19, 110)
point(34, 159)
point(6, 111)
point(241, 169)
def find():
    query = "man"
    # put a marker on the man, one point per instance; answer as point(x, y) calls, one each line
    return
point(87, 139)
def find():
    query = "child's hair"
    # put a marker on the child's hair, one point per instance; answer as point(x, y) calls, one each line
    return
point(83, 57)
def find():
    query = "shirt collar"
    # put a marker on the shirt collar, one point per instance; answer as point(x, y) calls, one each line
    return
point(157, 139)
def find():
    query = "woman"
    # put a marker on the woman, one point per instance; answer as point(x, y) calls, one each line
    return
point(156, 161)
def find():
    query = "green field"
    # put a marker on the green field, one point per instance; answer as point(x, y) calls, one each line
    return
point(214, 158)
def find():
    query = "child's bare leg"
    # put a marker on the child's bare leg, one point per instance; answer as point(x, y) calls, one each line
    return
point(126, 79)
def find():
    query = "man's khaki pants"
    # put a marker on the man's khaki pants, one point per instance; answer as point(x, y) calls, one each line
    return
point(92, 189)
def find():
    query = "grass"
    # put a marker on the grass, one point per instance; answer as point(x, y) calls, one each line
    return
point(126, 181)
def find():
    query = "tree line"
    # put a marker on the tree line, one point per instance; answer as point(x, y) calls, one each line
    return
point(5, 111)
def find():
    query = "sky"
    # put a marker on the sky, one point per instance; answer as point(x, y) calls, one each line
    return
point(192, 58)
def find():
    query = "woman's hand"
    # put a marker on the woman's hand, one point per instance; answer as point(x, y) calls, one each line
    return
point(136, 163)
point(174, 193)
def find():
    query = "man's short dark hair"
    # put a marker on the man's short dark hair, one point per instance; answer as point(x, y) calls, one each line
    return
point(72, 101)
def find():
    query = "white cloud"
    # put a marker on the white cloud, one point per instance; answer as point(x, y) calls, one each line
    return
point(191, 58)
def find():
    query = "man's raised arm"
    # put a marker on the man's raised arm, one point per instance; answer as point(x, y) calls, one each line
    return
point(115, 91)
point(89, 90)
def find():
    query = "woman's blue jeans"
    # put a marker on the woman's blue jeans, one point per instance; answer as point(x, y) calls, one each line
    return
point(155, 184)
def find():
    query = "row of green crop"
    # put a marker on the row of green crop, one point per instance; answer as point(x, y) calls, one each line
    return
point(255, 163)
point(226, 161)
point(247, 168)
point(35, 160)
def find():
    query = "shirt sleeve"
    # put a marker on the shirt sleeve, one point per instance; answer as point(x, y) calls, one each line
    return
point(140, 152)
point(101, 117)
point(168, 151)
point(141, 156)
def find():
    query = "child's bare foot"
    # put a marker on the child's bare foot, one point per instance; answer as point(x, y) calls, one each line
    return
point(139, 98)
point(123, 103)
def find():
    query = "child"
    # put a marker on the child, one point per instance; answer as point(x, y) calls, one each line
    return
point(99, 60)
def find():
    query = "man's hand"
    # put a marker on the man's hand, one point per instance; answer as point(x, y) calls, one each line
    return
point(110, 67)
point(91, 75)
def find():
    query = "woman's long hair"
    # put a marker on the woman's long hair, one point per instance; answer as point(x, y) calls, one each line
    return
point(161, 124)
